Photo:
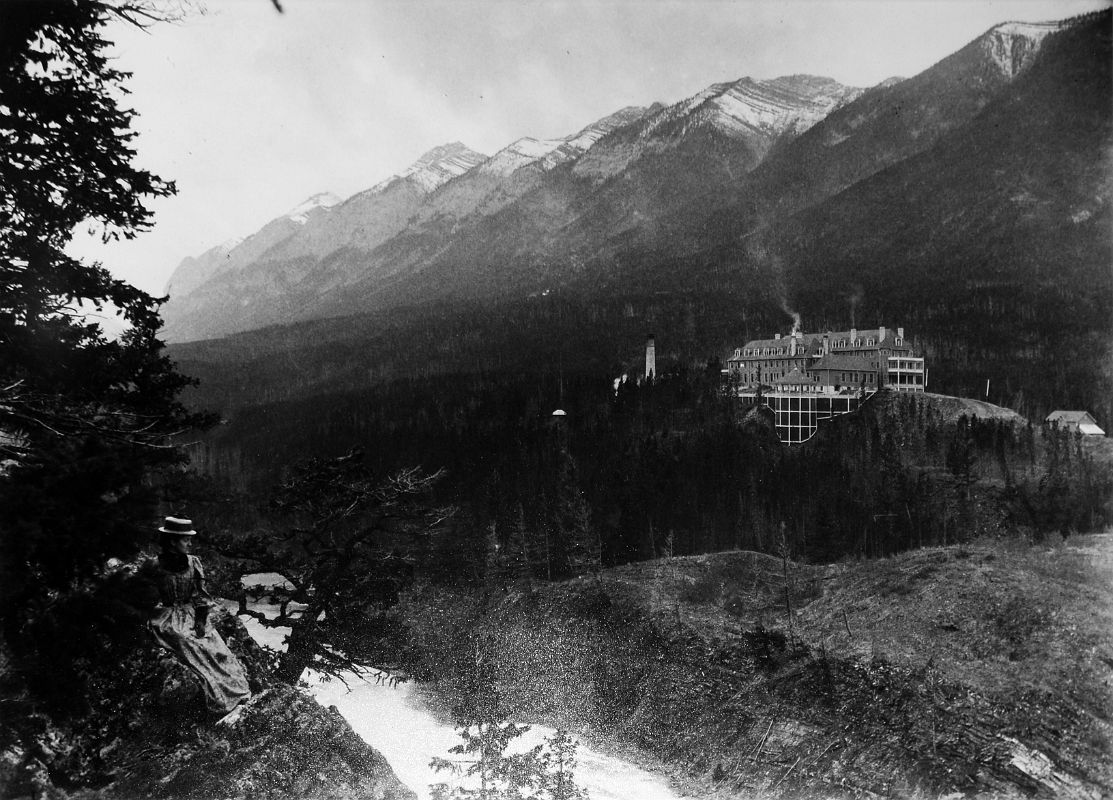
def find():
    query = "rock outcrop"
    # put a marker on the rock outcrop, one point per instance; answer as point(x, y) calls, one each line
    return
point(143, 732)
point(284, 745)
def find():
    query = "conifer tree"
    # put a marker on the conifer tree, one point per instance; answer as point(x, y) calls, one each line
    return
point(84, 418)
point(579, 542)
point(344, 552)
point(542, 772)
point(482, 760)
point(520, 556)
point(495, 568)
point(558, 778)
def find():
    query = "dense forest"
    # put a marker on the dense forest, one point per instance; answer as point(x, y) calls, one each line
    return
point(671, 466)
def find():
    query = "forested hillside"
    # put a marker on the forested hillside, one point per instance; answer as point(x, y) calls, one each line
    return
point(675, 466)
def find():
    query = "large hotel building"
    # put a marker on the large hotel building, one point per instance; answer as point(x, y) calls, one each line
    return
point(808, 377)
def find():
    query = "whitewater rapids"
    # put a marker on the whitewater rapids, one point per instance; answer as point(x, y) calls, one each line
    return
point(394, 721)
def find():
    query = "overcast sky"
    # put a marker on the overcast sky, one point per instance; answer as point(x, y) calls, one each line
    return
point(252, 111)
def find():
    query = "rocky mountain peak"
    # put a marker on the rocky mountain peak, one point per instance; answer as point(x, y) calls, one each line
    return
point(788, 103)
point(442, 164)
point(1012, 45)
point(747, 108)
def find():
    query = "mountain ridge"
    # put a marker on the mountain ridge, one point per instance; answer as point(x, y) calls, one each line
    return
point(757, 112)
point(444, 163)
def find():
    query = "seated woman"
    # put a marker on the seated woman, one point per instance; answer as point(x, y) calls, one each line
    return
point(180, 622)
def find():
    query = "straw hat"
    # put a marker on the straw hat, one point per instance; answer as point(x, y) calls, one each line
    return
point(178, 526)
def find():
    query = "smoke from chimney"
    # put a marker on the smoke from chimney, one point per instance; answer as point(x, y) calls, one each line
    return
point(855, 298)
point(793, 314)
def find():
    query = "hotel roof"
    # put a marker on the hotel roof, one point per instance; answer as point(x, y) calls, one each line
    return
point(816, 340)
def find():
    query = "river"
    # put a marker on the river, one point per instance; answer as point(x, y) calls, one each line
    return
point(395, 722)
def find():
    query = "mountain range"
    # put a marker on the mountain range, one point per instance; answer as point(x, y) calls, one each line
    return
point(304, 263)
point(970, 203)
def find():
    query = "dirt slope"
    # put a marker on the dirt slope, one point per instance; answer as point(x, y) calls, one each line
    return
point(972, 671)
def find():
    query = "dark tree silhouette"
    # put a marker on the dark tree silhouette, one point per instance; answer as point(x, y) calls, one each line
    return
point(83, 417)
point(347, 555)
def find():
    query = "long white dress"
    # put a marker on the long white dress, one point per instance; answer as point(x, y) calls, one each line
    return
point(183, 594)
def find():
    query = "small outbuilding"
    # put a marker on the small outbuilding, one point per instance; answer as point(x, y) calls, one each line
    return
point(1079, 421)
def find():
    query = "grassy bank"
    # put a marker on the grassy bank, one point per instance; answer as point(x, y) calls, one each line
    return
point(980, 669)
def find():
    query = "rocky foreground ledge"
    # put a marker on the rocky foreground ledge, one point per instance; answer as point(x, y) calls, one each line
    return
point(284, 746)
point(145, 735)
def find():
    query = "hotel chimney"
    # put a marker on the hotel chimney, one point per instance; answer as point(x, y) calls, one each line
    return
point(650, 358)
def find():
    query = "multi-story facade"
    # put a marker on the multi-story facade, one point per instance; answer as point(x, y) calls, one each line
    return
point(808, 377)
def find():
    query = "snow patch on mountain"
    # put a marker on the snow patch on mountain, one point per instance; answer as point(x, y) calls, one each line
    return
point(596, 131)
point(518, 154)
point(791, 103)
point(575, 145)
point(434, 169)
point(1035, 30)
point(548, 153)
point(300, 213)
